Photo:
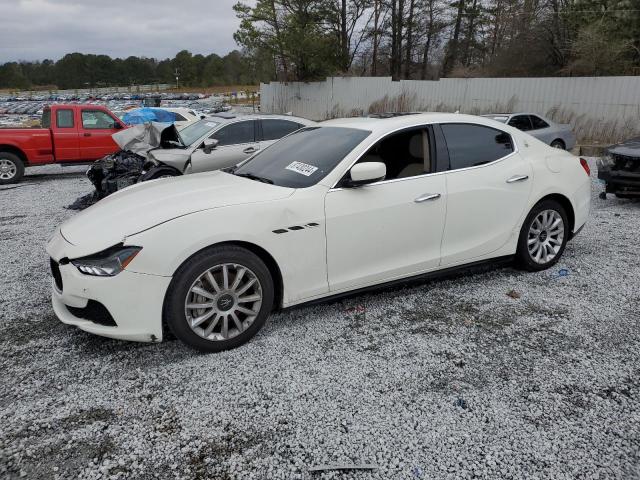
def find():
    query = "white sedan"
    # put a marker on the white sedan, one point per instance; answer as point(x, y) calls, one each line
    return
point(346, 205)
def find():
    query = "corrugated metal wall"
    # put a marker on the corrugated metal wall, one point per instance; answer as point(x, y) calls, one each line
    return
point(599, 108)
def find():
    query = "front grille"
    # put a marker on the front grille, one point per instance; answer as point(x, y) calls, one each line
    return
point(55, 271)
point(94, 312)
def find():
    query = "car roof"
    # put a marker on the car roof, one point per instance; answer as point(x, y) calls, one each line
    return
point(381, 124)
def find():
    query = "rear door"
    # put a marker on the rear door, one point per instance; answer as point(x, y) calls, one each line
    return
point(488, 187)
point(273, 129)
point(96, 128)
point(65, 135)
point(236, 142)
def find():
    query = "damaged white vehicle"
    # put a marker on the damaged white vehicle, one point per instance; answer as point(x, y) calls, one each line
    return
point(328, 210)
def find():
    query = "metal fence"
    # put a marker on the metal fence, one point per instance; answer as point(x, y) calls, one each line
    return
point(600, 109)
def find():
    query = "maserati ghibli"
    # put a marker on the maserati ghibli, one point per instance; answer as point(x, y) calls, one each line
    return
point(333, 208)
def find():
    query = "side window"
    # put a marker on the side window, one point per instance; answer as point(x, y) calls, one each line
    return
point(538, 123)
point(46, 118)
point(179, 118)
point(276, 129)
point(236, 133)
point(64, 118)
point(406, 154)
point(472, 145)
point(97, 119)
point(521, 122)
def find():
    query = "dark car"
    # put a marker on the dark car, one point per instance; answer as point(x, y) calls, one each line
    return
point(620, 169)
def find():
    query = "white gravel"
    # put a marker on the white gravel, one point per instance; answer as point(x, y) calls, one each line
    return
point(449, 379)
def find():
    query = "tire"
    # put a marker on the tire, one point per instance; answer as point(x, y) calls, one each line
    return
point(557, 143)
point(220, 304)
point(11, 168)
point(537, 226)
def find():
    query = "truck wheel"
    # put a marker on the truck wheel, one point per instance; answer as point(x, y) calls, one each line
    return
point(11, 168)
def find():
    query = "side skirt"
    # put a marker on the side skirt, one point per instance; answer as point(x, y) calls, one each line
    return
point(444, 274)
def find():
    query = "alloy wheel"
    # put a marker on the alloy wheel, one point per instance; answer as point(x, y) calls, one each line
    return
point(8, 169)
point(223, 302)
point(546, 235)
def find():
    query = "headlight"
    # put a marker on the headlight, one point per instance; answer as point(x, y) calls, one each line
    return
point(107, 263)
point(607, 161)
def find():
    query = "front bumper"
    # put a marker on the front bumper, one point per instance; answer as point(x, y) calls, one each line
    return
point(619, 182)
point(133, 301)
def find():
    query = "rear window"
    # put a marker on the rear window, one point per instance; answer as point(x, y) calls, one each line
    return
point(538, 123)
point(305, 157)
point(276, 129)
point(64, 118)
point(473, 145)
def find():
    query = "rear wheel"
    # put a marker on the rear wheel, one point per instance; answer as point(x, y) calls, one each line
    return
point(558, 144)
point(11, 168)
point(543, 237)
point(219, 299)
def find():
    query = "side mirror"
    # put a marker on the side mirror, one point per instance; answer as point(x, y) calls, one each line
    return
point(117, 126)
point(366, 172)
point(209, 145)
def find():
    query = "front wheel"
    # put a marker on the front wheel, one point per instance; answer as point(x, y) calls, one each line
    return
point(219, 299)
point(559, 144)
point(11, 168)
point(543, 237)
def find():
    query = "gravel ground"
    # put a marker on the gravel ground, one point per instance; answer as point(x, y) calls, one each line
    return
point(500, 374)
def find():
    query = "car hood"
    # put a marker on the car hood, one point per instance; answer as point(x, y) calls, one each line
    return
point(145, 205)
point(141, 138)
point(629, 148)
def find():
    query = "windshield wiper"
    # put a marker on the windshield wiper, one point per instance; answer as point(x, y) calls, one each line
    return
point(251, 176)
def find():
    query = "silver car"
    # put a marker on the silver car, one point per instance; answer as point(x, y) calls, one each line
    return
point(221, 141)
point(558, 135)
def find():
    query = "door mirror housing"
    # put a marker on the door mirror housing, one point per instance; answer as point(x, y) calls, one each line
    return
point(117, 126)
point(366, 172)
point(209, 145)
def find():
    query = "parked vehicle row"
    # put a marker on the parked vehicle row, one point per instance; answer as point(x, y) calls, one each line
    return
point(329, 209)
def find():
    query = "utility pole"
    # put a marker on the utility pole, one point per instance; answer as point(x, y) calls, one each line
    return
point(177, 75)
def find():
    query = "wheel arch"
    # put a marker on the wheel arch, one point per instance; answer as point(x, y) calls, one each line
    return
point(566, 204)
point(16, 151)
point(260, 252)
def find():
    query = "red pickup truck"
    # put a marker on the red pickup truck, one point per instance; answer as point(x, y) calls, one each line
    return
point(69, 134)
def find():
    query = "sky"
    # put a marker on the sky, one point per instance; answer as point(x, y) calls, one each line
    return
point(39, 29)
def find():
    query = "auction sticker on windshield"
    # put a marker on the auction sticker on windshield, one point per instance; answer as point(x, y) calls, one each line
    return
point(302, 168)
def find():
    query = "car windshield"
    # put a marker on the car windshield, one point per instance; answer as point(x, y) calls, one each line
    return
point(304, 157)
point(191, 133)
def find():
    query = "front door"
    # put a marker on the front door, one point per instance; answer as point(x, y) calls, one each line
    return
point(392, 228)
point(95, 134)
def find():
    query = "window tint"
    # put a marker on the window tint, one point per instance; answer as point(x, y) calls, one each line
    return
point(276, 129)
point(236, 133)
point(521, 122)
point(305, 157)
point(96, 119)
point(538, 122)
point(473, 145)
point(403, 153)
point(64, 118)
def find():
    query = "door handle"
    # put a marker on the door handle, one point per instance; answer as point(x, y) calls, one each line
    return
point(518, 178)
point(87, 134)
point(426, 197)
point(250, 150)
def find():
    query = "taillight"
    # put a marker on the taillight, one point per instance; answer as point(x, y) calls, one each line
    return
point(585, 165)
